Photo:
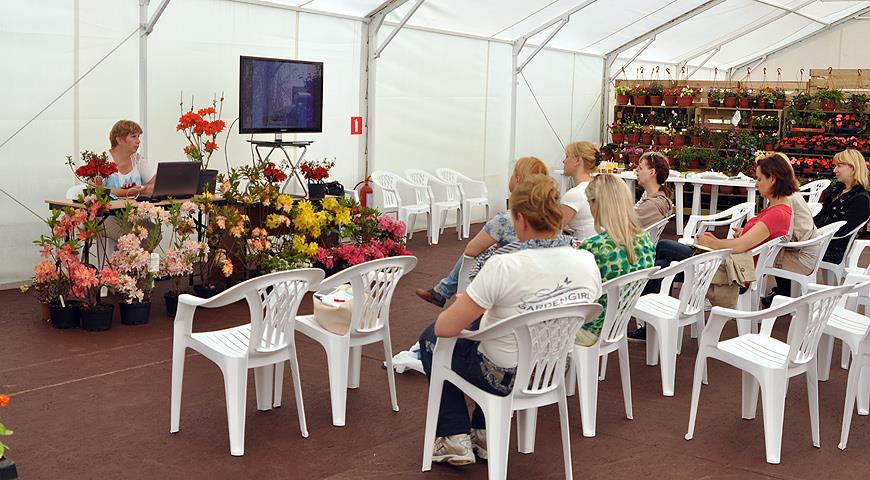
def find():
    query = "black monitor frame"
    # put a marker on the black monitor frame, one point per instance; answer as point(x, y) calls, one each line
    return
point(247, 130)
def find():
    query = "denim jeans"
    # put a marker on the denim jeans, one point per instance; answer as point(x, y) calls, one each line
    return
point(448, 285)
point(474, 367)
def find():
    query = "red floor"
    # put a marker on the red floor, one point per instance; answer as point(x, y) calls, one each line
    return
point(96, 405)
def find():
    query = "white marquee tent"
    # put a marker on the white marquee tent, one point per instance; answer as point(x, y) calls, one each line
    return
point(441, 88)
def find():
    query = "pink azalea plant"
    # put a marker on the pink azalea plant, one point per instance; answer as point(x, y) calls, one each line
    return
point(183, 252)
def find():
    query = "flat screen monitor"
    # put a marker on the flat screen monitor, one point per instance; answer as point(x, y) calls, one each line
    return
point(277, 95)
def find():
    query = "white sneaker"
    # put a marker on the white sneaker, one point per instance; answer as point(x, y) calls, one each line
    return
point(478, 442)
point(455, 450)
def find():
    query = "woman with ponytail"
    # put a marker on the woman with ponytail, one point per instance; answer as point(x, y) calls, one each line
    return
point(545, 271)
point(652, 172)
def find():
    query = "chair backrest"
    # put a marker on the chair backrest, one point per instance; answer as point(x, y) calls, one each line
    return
point(854, 256)
point(544, 338)
point(850, 244)
point(622, 293)
point(655, 230)
point(373, 284)
point(467, 265)
point(387, 183)
point(812, 191)
point(452, 192)
point(273, 300)
point(822, 239)
point(764, 255)
point(732, 217)
point(449, 175)
point(814, 207)
point(698, 273)
point(808, 322)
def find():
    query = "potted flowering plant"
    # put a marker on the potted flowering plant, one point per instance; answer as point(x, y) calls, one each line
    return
point(7, 467)
point(829, 98)
point(715, 96)
point(632, 132)
point(201, 128)
point(729, 98)
point(183, 252)
point(315, 171)
point(858, 101)
point(94, 169)
point(225, 234)
point(622, 95)
point(801, 100)
point(639, 96)
point(686, 97)
point(655, 91)
point(617, 133)
point(372, 236)
point(669, 96)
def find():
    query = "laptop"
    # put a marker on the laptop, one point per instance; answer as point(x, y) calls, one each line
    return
point(174, 179)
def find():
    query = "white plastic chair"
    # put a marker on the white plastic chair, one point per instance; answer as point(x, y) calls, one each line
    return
point(812, 191)
point(373, 284)
point(544, 338)
point(74, 191)
point(749, 300)
point(464, 281)
point(799, 281)
point(668, 315)
point(265, 342)
point(768, 361)
point(836, 272)
point(853, 329)
point(389, 185)
point(472, 193)
point(815, 208)
point(655, 230)
point(733, 217)
point(622, 294)
point(443, 198)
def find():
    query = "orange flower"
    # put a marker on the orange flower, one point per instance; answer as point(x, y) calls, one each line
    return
point(4, 400)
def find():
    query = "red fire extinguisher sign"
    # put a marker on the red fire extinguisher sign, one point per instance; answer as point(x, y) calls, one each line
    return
point(356, 125)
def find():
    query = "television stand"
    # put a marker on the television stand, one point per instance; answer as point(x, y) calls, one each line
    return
point(277, 144)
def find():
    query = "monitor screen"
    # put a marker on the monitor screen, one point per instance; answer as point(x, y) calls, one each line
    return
point(277, 95)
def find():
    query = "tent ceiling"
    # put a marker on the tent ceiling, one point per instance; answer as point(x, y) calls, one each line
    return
point(748, 28)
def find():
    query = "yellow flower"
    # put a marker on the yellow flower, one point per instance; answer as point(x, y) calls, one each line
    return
point(330, 204)
point(274, 221)
point(221, 222)
point(284, 203)
point(342, 217)
point(308, 249)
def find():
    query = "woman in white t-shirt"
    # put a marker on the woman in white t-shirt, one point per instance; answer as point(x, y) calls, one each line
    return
point(547, 272)
point(135, 175)
point(580, 162)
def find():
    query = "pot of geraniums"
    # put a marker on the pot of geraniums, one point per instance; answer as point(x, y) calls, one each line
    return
point(778, 98)
point(715, 96)
point(622, 94)
point(315, 172)
point(639, 96)
point(765, 98)
point(829, 98)
point(664, 137)
point(655, 91)
point(183, 252)
point(201, 128)
point(858, 102)
point(617, 133)
point(679, 136)
point(768, 140)
point(95, 168)
point(801, 100)
point(745, 98)
point(646, 135)
point(729, 98)
point(669, 96)
point(686, 97)
point(8, 471)
point(632, 132)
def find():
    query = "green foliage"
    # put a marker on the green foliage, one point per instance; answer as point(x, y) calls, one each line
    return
point(622, 90)
point(829, 94)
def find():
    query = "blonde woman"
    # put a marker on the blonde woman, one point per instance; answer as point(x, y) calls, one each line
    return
point(498, 232)
point(546, 272)
point(848, 201)
point(580, 163)
point(620, 247)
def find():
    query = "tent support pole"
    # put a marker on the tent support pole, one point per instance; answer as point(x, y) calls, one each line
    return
point(606, 66)
point(143, 72)
point(700, 65)
point(512, 151)
point(397, 28)
point(633, 58)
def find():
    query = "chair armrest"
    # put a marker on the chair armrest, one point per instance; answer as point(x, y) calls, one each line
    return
point(858, 247)
point(719, 316)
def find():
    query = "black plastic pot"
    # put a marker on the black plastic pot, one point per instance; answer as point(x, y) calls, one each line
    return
point(8, 470)
point(98, 317)
point(207, 181)
point(135, 313)
point(171, 299)
point(65, 317)
point(316, 190)
point(207, 291)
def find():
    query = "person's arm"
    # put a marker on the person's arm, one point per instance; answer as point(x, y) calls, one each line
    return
point(462, 313)
point(747, 241)
point(567, 214)
point(479, 244)
point(148, 188)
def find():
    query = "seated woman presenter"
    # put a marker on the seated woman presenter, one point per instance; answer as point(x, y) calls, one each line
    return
point(507, 285)
point(652, 172)
point(775, 181)
point(135, 175)
point(497, 232)
point(620, 247)
point(581, 159)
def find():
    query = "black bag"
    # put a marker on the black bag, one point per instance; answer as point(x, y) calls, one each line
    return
point(334, 188)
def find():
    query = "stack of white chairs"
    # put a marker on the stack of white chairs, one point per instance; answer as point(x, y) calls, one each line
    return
point(373, 285)
point(733, 217)
point(622, 294)
point(390, 189)
point(443, 198)
point(544, 338)
point(665, 316)
point(263, 344)
point(472, 193)
point(769, 361)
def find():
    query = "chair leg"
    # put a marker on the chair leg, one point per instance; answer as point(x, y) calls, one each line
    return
point(566, 436)
point(602, 368)
point(263, 377)
point(570, 378)
point(297, 392)
point(527, 421)
point(498, 430)
point(279, 385)
point(813, 398)
point(668, 341)
point(863, 392)
point(434, 221)
point(586, 361)
point(391, 373)
point(844, 357)
point(353, 367)
point(773, 390)
point(433, 408)
point(625, 376)
point(749, 396)
point(460, 223)
point(466, 220)
point(680, 333)
point(825, 352)
point(337, 353)
point(235, 386)
point(178, 350)
point(848, 408)
point(652, 345)
point(700, 361)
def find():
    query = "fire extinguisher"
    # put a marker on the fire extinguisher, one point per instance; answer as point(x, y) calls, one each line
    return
point(366, 193)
